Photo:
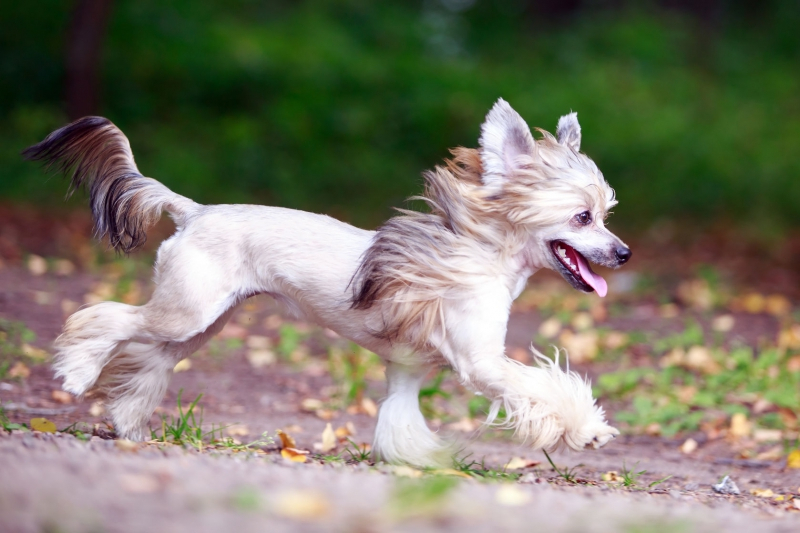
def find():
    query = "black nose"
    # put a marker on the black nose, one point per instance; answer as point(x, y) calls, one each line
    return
point(623, 254)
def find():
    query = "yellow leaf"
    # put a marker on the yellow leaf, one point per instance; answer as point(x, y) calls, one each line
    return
point(296, 456)
point(328, 440)
point(450, 472)
point(182, 366)
point(740, 427)
point(762, 493)
point(347, 430)
point(286, 440)
point(611, 476)
point(43, 425)
point(793, 461)
point(518, 463)
point(19, 370)
point(406, 471)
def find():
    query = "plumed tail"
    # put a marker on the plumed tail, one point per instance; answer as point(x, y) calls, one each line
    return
point(124, 203)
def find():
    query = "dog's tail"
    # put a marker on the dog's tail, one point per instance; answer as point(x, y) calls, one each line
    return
point(124, 203)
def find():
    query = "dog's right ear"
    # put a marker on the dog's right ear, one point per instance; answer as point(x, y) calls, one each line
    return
point(504, 137)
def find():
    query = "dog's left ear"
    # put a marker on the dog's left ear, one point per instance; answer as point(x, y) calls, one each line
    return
point(504, 137)
point(568, 131)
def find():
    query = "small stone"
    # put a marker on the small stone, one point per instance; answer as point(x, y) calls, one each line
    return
point(726, 486)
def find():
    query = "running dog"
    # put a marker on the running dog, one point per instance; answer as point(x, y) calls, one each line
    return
point(427, 289)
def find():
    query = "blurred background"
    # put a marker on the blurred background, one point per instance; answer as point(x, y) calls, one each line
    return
point(690, 109)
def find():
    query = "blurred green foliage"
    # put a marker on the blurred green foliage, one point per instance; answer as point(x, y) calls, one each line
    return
point(337, 106)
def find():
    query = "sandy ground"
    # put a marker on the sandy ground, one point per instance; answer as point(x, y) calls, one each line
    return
point(56, 482)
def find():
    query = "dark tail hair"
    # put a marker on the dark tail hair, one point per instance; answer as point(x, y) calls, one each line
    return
point(124, 203)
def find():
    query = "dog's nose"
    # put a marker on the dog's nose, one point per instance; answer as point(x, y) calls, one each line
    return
point(623, 254)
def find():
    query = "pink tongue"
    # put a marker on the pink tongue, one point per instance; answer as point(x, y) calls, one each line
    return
point(597, 282)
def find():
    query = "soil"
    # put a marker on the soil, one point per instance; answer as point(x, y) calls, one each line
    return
point(57, 482)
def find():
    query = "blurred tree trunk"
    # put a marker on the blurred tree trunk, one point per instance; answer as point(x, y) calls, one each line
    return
point(84, 46)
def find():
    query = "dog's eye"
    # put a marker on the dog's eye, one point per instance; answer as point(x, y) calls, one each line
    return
point(584, 218)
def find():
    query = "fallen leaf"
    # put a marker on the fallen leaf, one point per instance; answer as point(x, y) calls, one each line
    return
point(518, 463)
point(762, 493)
point(259, 342)
point(580, 347)
point(328, 440)
point(406, 471)
point(43, 425)
point(69, 306)
point(61, 396)
point(699, 358)
point(37, 265)
point(753, 302)
point(19, 370)
point(237, 430)
point(294, 455)
point(369, 407)
point(615, 340)
point(723, 323)
point(97, 408)
point(182, 366)
point(37, 354)
point(311, 404)
point(259, 358)
point(773, 454)
point(796, 504)
point(793, 460)
point(778, 305)
point(688, 446)
point(326, 414)
point(669, 311)
point(126, 445)
point(63, 267)
point(232, 331)
point(451, 472)
point(511, 496)
point(347, 430)
point(550, 328)
point(466, 425)
point(611, 476)
point(273, 322)
point(740, 427)
point(767, 435)
point(286, 440)
point(302, 504)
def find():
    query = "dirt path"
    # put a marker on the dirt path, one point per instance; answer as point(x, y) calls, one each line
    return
point(56, 482)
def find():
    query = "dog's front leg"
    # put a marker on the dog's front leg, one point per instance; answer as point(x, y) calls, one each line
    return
point(401, 435)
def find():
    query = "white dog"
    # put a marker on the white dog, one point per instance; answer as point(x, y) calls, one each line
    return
point(424, 290)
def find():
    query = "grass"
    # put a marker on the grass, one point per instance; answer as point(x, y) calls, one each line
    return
point(8, 425)
point(568, 474)
point(187, 429)
point(350, 369)
point(478, 470)
point(15, 339)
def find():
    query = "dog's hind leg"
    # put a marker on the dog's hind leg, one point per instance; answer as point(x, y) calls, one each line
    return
point(135, 382)
point(401, 435)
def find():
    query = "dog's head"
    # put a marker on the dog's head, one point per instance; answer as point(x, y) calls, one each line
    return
point(554, 193)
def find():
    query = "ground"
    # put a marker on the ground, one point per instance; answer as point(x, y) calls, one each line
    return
point(697, 361)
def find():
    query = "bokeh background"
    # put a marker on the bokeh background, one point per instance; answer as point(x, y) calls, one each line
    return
point(691, 109)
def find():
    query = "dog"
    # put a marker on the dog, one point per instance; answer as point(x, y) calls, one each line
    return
point(427, 289)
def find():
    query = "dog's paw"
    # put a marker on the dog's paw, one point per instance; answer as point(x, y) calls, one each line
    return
point(602, 436)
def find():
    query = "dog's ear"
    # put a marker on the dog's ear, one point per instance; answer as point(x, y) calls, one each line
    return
point(568, 131)
point(504, 137)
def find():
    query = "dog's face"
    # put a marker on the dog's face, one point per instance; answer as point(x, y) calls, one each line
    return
point(555, 193)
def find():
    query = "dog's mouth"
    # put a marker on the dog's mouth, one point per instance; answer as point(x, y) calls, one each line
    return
point(576, 269)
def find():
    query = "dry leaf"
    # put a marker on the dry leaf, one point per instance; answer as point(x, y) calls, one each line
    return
point(611, 476)
point(326, 414)
point(182, 366)
point(19, 370)
point(348, 430)
point(328, 440)
point(61, 396)
point(259, 342)
point(97, 408)
point(232, 331)
point(615, 340)
point(259, 358)
point(126, 445)
point(37, 354)
point(767, 435)
point(369, 407)
point(43, 425)
point(273, 322)
point(451, 472)
point(550, 328)
point(580, 347)
point(669, 311)
point(69, 306)
point(63, 267)
point(311, 404)
point(406, 471)
point(286, 440)
point(302, 504)
point(699, 358)
point(518, 463)
point(723, 323)
point(294, 455)
point(689, 446)
point(753, 302)
point(778, 305)
point(773, 454)
point(37, 265)
point(796, 504)
point(740, 427)
point(466, 425)
point(511, 496)
point(762, 493)
point(793, 461)
point(582, 321)
point(237, 430)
